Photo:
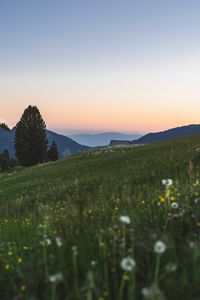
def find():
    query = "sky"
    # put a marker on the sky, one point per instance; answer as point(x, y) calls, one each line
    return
point(101, 65)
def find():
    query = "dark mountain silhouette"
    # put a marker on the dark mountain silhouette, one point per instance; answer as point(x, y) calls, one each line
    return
point(169, 134)
point(66, 146)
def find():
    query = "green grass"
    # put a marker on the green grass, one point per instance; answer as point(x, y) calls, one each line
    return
point(47, 210)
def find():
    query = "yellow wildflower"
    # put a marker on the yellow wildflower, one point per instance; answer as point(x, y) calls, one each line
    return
point(162, 199)
point(126, 277)
point(19, 260)
point(23, 287)
point(7, 266)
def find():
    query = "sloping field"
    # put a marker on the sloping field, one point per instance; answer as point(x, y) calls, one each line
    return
point(62, 234)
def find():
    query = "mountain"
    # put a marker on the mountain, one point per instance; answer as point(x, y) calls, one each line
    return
point(102, 139)
point(169, 134)
point(66, 145)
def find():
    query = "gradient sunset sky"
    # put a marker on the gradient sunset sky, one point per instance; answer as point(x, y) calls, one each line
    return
point(102, 65)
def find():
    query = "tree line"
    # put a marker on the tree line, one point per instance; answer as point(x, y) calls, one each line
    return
point(31, 144)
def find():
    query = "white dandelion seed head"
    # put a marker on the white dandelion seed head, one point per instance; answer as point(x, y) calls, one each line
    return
point(55, 278)
point(59, 242)
point(167, 182)
point(159, 247)
point(152, 293)
point(74, 250)
point(125, 219)
point(128, 264)
point(174, 205)
point(94, 263)
point(47, 242)
point(171, 267)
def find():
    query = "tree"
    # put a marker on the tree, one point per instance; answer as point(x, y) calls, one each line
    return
point(30, 138)
point(4, 126)
point(5, 160)
point(52, 153)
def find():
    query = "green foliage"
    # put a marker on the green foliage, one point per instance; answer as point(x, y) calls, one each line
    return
point(4, 126)
point(52, 153)
point(30, 138)
point(62, 235)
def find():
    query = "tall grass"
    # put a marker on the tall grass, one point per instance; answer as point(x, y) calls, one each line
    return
point(86, 227)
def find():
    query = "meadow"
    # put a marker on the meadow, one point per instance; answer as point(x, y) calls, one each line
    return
point(108, 224)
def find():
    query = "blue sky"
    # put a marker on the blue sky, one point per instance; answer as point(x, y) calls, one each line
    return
point(97, 56)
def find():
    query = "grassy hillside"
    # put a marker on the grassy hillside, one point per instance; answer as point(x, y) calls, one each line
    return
point(61, 236)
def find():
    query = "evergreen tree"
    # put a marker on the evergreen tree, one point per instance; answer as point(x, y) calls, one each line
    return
point(30, 138)
point(5, 160)
point(52, 153)
point(4, 126)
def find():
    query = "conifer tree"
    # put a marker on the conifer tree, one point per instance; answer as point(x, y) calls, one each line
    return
point(4, 126)
point(52, 153)
point(30, 138)
point(5, 160)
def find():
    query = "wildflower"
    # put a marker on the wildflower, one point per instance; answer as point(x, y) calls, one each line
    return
point(159, 247)
point(47, 242)
point(94, 263)
point(152, 293)
point(74, 250)
point(128, 264)
point(19, 260)
point(174, 205)
point(126, 277)
point(55, 278)
point(7, 266)
point(170, 267)
point(125, 219)
point(167, 182)
point(10, 253)
point(59, 242)
point(23, 287)
point(162, 200)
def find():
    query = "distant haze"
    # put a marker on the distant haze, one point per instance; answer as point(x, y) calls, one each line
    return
point(102, 139)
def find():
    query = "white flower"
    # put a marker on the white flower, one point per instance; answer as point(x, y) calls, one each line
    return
point(159, 247)
point(128, 264)
point(125, 219)
point(170, 267)
point(59, 242)
point(174, 205)
point(74, 250)
point(56, 278)
point(153, 292)
point(167, 182)
point(47, 242)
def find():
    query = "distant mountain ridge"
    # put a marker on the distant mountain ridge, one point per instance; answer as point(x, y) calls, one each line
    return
point(102, 139)
point(169, 134)
point(66, 145)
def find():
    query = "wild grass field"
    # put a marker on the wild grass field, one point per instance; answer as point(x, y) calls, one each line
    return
point(104, 225)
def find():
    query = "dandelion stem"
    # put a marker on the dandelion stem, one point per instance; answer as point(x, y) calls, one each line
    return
point(157, 268)
point(121, 289)
point(45, 262)
point(53, 292)
point(74, 258)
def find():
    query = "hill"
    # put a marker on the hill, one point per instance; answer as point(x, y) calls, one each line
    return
point(101, 225)
point(102, 139)
point(169, 134)
point(66, 146)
